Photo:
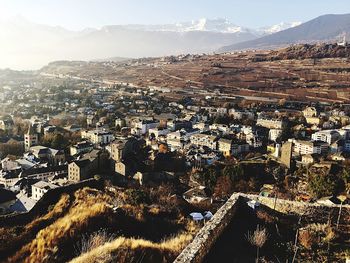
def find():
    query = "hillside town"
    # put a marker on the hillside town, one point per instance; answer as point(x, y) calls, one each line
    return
point(54, 135)
point(174, 131)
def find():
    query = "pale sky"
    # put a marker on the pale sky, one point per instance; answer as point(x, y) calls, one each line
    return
point(78, 14)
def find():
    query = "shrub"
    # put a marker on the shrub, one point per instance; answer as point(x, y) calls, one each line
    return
point(258, 239)
point(307, 239)
point(136, 196)
point(92, 241)
point(323, 185)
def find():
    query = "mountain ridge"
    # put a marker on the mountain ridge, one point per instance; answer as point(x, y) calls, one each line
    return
point(27, 45)
point(324, 28)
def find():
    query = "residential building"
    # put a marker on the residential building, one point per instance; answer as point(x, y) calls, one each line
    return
point(308, 159)
point(122, 169)
point(225, 146)
point(91, 120)
point(81, 147)
point(270, 123)
point(85, 167)
point(52, 156)
point(45, 173)
point(141, 127)
point(176, 125)
point(98, 137)
point(328, 136)
point(286, 154)
point(6, 124)
point(120, 123)
point(201, 139)
point(158, 132)
point(31, 138)
point(232, 148)
point(313, 120)
point(224, 129)
point(310, 112)
point(117, 148)
point(310, 147)
point(239, 115)
point(274, 134)
point(40, 188)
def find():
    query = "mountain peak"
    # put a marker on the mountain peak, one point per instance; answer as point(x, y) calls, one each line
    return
point(204, 24)
point(325, 28)
point(279, 27)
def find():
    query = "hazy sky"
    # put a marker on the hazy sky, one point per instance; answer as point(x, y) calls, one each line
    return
point(77, 14)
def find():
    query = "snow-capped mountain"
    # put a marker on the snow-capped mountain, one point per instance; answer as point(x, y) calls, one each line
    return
point(27, 45)
point(278, 27)
point(220, 25)
point(325, 28)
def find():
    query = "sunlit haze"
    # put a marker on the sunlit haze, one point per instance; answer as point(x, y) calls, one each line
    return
point(27, 44)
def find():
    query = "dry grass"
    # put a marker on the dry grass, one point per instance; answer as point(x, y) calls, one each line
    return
point(307, 239)
point(57, 211)
point(88, 205)
point(130, 250)
point(259, 237)
point(96, 239)
point(316, 235)
point(65, 231)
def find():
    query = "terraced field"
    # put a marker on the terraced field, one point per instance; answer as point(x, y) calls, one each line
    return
point(240, 74)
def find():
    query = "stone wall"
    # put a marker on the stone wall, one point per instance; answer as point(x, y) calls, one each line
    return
point(291, 207)
point(207, 236)
point(196, 251)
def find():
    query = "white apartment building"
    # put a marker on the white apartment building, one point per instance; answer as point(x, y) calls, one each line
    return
point(270, 123)
point(81, 147)
point(200, 139)
point(238, 115)
point(328, 136)
point(97, 137)
point(274, 134)
point(143, 126)
point(309, 147)
point(220, 127)
point(229, 147)
point(40, 188)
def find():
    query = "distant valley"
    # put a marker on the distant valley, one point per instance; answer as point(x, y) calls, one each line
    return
point(32, 45)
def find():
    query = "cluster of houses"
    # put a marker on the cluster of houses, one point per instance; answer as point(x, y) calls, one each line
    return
point(325, 140)
point(153, 139)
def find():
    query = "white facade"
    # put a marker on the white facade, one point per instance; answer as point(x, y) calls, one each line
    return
point(220, 127)
point(270, 123)
point(274, 134)
point(306, 147)
point(145, 126)
point(81, 147)
point(328, 136)
point(238, 115)
point(97, 136)
point(204, 140)
point(158, 132)
point(40, 188)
